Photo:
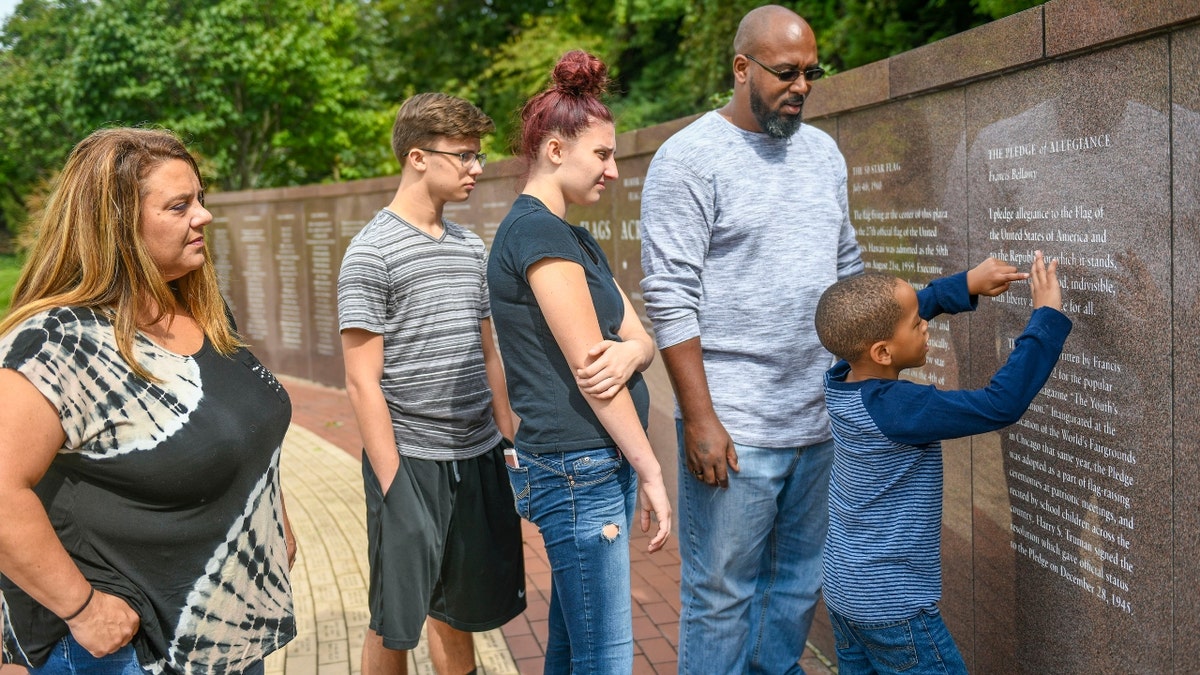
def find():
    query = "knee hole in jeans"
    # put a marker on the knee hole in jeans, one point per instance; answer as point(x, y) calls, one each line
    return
point(610, 531)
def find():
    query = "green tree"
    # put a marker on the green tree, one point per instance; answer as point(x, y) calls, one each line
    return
point(998, 9)
point(34, 134)
point(284, 92)
point(427, 45)
point(862, 31)
point(267, 93)
point(263, 90)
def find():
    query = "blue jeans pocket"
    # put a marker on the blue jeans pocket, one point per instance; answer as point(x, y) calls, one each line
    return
point(841, 640)
point(518, 478)
point(890, 643)
point(595, 467)
point(70, 658)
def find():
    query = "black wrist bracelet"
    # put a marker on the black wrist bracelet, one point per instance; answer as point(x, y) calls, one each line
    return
point(83, 606)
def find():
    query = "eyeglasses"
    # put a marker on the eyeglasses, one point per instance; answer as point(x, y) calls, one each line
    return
point(467, 158)
point(810, 73)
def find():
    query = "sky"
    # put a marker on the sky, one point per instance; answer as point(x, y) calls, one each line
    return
point(6, 8)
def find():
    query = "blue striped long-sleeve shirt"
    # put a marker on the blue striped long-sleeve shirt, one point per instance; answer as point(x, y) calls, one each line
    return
point(883, 552)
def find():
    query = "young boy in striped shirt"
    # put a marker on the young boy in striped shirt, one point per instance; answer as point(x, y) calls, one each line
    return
point(882, 557)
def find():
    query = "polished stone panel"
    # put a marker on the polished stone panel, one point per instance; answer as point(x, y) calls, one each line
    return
point(324, 260)
point(1010, 42)
point(292, 312)
point(597, 219)
point(648, 140)
point(252, 287)
point(1079, 24)
point(1069, 158)
point(907, 189)
point(626, 258)
point(1185, 163)
point(857, 88)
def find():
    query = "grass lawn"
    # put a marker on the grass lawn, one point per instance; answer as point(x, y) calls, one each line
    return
point(10, 268)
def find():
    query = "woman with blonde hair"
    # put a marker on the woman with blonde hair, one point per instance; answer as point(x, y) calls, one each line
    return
point(143, 526)
point(573, 350)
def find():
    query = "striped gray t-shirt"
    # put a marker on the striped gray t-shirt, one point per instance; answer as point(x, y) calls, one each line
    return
point(426, 297)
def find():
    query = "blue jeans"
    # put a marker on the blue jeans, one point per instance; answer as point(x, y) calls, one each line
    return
point(583, 504)
point(751, 557)
point(921, 645)
point(69, 658)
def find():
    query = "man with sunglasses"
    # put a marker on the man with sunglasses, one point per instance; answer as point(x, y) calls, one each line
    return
point(744, 224)
point(424, 378)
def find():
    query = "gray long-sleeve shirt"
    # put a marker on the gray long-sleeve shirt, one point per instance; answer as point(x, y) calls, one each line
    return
point(741, 233)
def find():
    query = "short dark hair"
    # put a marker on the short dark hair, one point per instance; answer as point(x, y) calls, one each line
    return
point(857, 312)
point(424, 118)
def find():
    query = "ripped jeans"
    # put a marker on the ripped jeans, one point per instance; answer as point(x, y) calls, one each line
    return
point(583, 503)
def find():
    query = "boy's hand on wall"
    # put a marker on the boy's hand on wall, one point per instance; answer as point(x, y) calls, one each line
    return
point(1043, 281)
point(992, 277)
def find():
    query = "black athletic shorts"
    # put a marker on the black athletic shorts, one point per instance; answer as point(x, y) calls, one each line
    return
point(445, 542)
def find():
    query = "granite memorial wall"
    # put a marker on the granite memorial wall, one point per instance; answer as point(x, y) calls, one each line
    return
point(1070, 538)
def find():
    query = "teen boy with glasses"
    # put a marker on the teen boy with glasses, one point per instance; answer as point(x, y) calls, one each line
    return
point(427, 388)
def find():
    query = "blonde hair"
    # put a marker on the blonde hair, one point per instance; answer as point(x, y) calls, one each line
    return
point(88, 250)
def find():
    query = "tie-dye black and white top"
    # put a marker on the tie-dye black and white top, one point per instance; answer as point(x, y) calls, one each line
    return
point(165, 494)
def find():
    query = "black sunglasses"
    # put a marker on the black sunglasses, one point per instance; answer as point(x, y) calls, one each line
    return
point(810, 73)
point(465, 157)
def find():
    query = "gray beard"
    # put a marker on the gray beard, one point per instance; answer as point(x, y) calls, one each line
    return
point(774, 123)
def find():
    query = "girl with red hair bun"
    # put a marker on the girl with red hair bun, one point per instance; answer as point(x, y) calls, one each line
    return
point(573, 351)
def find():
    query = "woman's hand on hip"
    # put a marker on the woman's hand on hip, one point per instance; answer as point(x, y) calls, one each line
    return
point(107, 624)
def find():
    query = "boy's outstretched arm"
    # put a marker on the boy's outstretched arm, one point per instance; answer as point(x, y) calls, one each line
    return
point(925, 414)
point(992, 277)
point(946, 295)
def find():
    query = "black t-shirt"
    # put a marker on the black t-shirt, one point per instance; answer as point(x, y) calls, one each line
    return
point(165, 494)
point(555, 415)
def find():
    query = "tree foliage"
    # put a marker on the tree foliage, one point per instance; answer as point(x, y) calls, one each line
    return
point(286, 92)
point(34, 135)
point(267, 93)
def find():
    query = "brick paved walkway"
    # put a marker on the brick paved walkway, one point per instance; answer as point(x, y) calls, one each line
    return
point(324, 493)
point(325, 411)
